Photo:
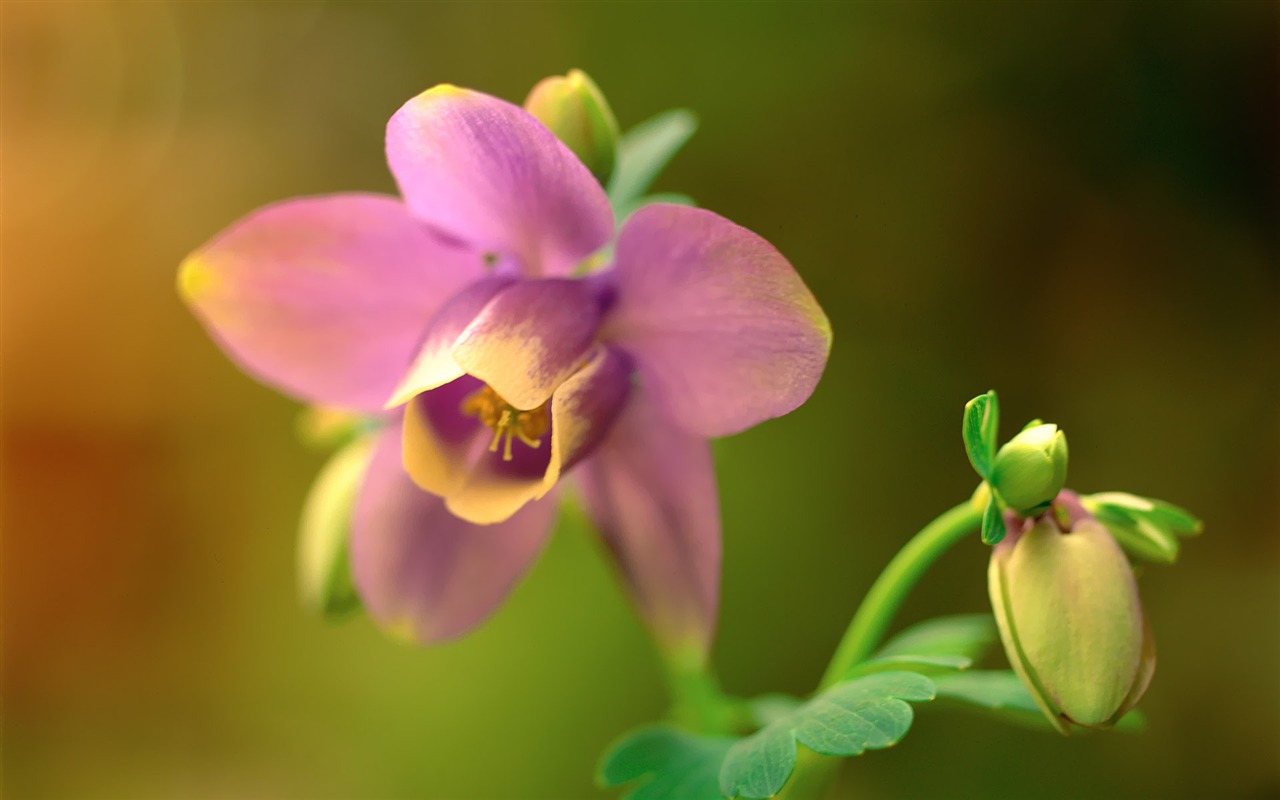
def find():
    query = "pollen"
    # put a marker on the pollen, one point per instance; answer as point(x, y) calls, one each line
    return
point(506, 421)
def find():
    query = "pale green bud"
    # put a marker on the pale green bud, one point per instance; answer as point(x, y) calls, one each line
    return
point(1071, 622)
point(324, 573)
point(574, 109)
point(1031, 468)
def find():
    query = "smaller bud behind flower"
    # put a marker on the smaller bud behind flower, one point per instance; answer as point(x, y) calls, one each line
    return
point(1031, 468)
point(574, 109)
point(1067, 607)
point(325, 587)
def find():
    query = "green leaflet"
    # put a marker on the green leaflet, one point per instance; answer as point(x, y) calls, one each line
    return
point(993, 529)
point(1000, 694)
point(644, 151)
point(1147, 529)
point(866, 713)
point(665, 763)
point(981, 423)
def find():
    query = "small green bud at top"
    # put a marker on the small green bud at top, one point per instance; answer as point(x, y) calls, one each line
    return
point(574, 109)
point(1031, 468)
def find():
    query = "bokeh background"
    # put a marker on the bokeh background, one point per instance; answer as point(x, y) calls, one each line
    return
point(1073, 203)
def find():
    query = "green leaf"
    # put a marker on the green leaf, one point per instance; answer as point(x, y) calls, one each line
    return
point(665, 763)
point(981, 423)
point(1176, 519)
point(1001, 695)
point(675, 198)
point(992, 522)
point(866, 713)
point(968, 635)
point(645, 150)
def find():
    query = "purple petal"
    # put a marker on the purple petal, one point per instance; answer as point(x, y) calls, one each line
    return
point(424, 573)
point(434, 365)
point(529, 338)
point(486, 171)
point(325, 298)
point(724, 332)
point(585, 408)
point(650, 488)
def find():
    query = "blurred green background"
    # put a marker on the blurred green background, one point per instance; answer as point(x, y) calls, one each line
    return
point(1075, 204)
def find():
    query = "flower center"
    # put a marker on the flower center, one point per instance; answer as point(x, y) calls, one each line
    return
point(505, 420)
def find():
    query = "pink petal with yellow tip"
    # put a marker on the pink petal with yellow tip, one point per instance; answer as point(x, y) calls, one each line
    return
point(530, 337)
point(325, 298)
point(422, 572)
point(724, 332)
point(484, 170)
point(650, 489)
point(434, 366)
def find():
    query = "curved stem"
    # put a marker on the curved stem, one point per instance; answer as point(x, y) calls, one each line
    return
point(886, 595)
point(814, 772)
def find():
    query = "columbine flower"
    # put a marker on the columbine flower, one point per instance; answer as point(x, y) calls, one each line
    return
point(461, 309)
point(1067, 607)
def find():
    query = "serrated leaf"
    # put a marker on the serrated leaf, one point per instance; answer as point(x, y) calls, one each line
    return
point(866, 713)
point(665, 763)
point(992, 523)
point(645, 150)
point(981, 422)
point(674, 198)
point(1000, 694)
point(968, 635)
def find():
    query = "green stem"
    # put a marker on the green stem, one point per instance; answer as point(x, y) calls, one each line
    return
point(885, 597)
point(813, 772)
point(696, 700)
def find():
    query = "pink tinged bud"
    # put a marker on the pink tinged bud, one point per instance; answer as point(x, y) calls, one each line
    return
point(574, 109)
point(1071, 622)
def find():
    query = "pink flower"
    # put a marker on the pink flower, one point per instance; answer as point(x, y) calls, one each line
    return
point(469, 310)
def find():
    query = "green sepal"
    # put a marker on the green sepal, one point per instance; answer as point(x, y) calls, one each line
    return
point(661, 762)
point(645, 150)
point(981, 423)
point(993, 529)
point(866, 713)
point(674, 198)
point(1001, 695)
point(1033, 423)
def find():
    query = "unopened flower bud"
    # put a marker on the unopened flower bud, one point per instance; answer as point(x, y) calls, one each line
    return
point(324, 573)
point(1067, 607)
point(1031, 468)
point(575, 110)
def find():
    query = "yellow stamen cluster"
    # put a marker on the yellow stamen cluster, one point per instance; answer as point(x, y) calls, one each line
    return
point(506, 420)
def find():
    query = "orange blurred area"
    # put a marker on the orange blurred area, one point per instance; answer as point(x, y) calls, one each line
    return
point(1073, 204)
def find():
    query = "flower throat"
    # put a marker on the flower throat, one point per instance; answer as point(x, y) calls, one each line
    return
point(506, 420)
